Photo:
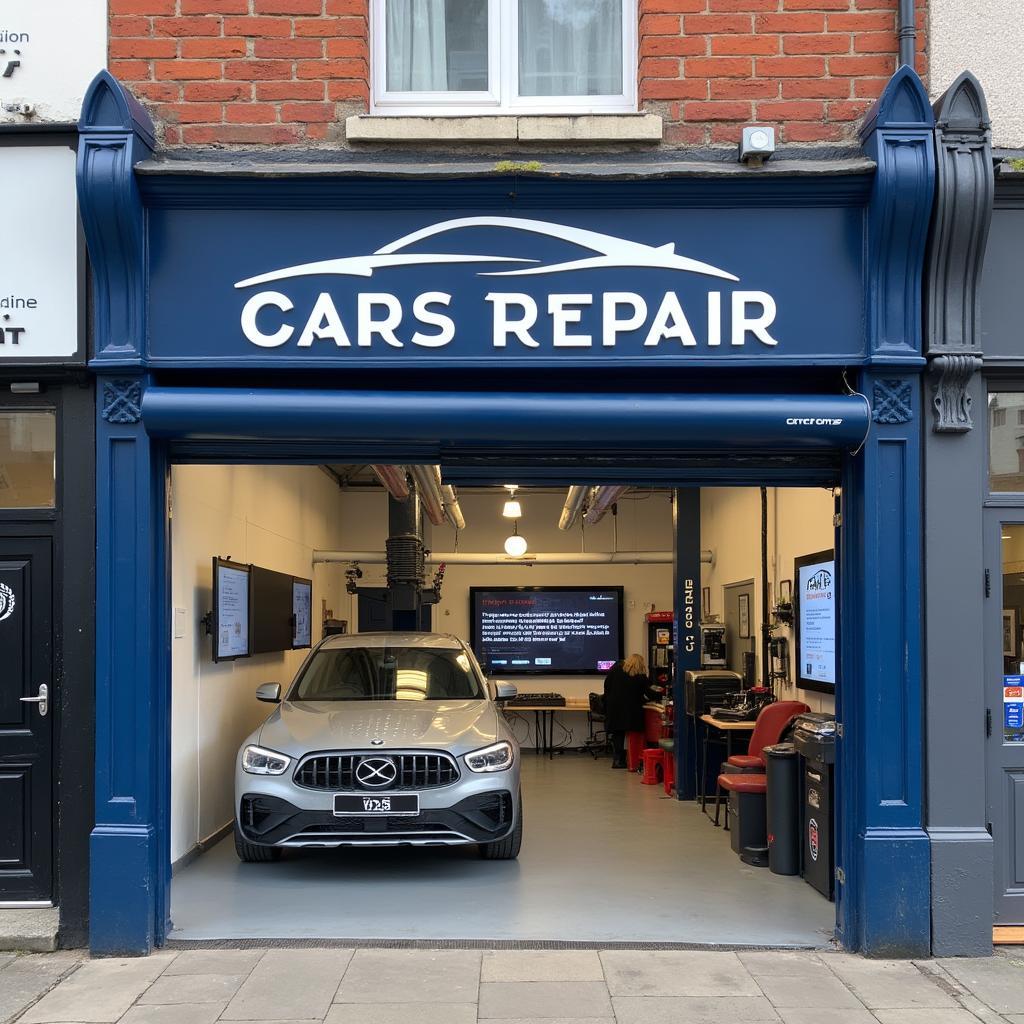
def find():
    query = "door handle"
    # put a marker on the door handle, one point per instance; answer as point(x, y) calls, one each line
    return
point(43, 700)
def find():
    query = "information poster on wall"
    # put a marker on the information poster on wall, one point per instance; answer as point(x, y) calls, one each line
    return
point(231, 606)
point(817, 619)
point(1013, 709)
point(302, 613)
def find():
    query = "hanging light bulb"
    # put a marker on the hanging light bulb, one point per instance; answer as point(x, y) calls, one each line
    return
point(512, 509)
point(515, 546)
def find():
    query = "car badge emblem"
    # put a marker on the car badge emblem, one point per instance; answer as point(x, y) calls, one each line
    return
point(376, 772)
point(377, 743)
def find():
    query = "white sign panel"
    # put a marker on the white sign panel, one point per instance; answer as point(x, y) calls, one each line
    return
point(302, 613)
point(39, 266)
point(817, 603)
point(50, 50)
point(232, 612)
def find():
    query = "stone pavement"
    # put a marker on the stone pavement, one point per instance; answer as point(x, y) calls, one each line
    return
point(463, 986)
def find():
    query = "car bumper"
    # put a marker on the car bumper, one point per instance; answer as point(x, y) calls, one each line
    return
point(269, 820)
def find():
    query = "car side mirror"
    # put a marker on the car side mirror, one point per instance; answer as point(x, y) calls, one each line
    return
point(505, 691)
point(269, 693)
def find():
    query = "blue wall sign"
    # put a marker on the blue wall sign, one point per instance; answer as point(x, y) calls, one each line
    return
point(426, 288)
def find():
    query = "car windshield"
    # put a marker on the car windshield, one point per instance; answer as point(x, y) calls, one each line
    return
point(388, 673)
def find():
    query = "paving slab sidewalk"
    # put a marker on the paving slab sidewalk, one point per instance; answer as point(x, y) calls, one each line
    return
point(454, 986)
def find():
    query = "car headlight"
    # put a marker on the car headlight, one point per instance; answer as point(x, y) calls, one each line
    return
point(496, 758)
point(260, 761)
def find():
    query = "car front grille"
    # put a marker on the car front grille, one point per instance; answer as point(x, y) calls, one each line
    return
point(337, 772)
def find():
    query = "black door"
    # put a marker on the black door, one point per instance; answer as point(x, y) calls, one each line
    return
point(26, 723)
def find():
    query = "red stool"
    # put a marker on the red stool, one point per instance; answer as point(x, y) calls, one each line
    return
point(668, 764)
point(634, 750)
point(653, 760)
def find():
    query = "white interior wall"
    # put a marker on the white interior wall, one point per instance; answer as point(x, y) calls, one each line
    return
point(273, 516)
point(799, 523)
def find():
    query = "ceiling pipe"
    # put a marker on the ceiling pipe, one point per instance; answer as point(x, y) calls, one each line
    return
point(393, 480)
point(574, 500)
point(541, 558)
point(429, 487)
point(452, 508)
point(602, 500)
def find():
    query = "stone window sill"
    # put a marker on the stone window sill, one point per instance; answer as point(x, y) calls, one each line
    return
point(505, 128)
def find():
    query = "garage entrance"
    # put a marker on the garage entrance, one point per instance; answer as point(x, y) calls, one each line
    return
point(606, 858)
point(516, 329)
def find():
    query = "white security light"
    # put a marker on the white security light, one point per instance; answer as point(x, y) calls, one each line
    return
point(757, 145)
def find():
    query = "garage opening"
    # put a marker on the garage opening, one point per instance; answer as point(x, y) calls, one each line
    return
point(551, 582)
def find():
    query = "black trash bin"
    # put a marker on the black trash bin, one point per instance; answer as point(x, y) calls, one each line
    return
point(814, 736)
point(783, 808)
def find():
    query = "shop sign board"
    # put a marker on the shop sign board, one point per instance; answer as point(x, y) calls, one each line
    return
point(564, 287)
point(39, 313)
point(49, 52)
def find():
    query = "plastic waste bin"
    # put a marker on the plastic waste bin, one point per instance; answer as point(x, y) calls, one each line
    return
point(783, 771)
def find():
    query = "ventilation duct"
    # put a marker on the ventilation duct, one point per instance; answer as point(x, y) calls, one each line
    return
point(601, 500)
point(574, 502)
point(393, 479)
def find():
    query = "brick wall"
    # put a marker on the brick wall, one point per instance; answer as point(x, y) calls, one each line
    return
point(287, 72)
point(809, 67)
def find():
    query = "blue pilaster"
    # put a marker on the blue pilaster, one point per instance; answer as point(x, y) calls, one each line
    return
point(128, 851)
point(884, 860)
point(686, 591)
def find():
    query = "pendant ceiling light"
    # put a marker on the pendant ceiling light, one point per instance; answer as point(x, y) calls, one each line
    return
point(515, 546)
point(512, 509)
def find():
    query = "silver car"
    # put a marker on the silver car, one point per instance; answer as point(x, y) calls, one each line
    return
point(384, 739)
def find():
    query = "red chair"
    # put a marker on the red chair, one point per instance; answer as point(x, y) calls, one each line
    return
point(770, 725)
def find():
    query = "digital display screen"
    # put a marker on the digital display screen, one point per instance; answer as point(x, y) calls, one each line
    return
point(302, 613)
point(817, 620)
point(546, 630)
point(231, 607)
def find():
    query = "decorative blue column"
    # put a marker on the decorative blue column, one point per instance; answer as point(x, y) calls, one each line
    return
point(883, 865)
point(686, 591)
point(129, 866)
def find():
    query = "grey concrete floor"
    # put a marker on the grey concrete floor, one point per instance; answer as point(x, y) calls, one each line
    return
point(467, 986)
point(604, 859)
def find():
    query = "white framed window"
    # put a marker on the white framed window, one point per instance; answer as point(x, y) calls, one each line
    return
point(461, 57)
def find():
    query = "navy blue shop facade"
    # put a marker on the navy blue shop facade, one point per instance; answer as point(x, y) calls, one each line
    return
point(47, 545)
point(669, 326)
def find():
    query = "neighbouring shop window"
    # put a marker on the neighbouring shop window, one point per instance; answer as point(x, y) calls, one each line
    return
point(1012, 712)
point(504, 56)
point(1006, 441)
point(28, 445)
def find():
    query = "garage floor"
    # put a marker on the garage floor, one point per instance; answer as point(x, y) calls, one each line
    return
point(604, 859)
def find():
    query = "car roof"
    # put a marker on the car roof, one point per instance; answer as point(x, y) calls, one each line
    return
point(436, 641)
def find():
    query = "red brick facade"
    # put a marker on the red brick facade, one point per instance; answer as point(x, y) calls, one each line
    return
point(287, 72)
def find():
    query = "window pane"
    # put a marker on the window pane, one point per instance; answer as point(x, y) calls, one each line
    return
point(437, 45)
point(27, 445)
point(570, 47)
point(1006, 441)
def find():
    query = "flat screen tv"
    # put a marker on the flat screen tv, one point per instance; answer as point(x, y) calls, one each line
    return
point(232, 595)
point(548, 631)
point(816, 621)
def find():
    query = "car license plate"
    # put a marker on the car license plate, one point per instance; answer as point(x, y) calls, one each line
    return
point(397, 803)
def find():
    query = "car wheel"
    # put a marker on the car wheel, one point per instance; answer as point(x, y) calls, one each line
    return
point(251, 853)
point(507, 848)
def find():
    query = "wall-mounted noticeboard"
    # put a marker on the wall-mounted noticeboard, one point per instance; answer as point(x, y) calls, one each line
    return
point(232, 599)
point(302, 612)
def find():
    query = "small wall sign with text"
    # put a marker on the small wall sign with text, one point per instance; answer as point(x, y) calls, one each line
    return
point(39, 304)
point(1013, 709)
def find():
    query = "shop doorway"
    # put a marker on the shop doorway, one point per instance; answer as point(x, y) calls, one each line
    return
point(605, 858)
point(27, 705)
point(1004, 674)
point(740, 629)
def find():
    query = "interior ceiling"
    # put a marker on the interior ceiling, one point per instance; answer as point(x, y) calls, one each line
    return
point(363, 476)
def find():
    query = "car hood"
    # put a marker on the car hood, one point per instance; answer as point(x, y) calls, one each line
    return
point(304, 726)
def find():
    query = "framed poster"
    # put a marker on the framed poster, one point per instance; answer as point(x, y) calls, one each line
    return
point(1009, 632)
point(231, 604)
point(785, 591)
point(302, 612)
point(816, 621)
point(705, 602)
point(744, 603)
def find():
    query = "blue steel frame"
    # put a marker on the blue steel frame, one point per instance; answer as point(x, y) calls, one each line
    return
point(884, 890)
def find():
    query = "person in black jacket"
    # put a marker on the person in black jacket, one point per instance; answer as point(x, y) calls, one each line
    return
point(625, 691)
